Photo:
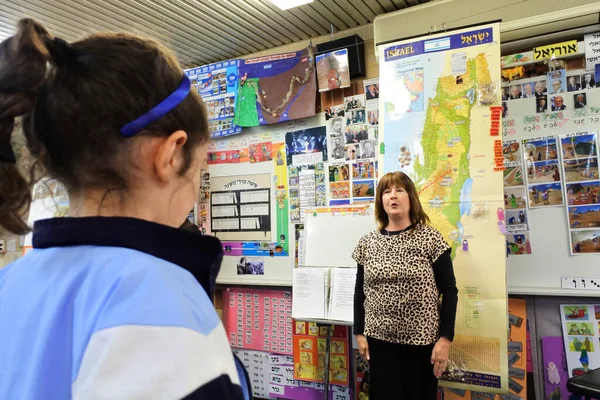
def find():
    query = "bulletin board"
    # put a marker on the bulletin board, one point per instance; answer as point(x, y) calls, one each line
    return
point(567, 134)
point(269, 164)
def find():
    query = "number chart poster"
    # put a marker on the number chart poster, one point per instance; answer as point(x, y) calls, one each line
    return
point(258, 319)
point(276, 88)
point(217, 85)
point(436, 128)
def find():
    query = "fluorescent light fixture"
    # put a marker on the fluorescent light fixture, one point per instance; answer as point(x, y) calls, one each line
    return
point(287, 4)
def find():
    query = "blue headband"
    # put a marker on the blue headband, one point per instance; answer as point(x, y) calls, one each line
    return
point(132, 128)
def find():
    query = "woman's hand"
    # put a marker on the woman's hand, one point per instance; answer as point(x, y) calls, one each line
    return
point(363, 346)
point(439, 356)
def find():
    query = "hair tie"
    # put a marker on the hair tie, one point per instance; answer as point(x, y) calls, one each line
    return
point(7, 153)
point(60, 51)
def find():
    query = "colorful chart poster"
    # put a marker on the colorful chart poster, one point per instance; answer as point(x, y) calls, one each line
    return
point(258, 319)
point(517, 359)
point(582, 187)
point(581, 327)
point(310, 353)
point(435, 130)
point(276, 88)
point(543, 175)
point(217, 85)
point(333, 70)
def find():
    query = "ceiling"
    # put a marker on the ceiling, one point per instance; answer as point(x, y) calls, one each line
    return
point(200, 31)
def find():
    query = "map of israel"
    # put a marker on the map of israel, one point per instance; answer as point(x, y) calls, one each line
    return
point(437, 131)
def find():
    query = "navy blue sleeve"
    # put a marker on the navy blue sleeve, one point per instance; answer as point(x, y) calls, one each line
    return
point(446, 285)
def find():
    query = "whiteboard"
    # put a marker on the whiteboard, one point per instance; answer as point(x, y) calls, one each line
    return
point(330, 239)
point(541, 272)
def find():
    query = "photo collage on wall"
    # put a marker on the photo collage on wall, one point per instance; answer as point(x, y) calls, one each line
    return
point(353, 148)
point(549, 94)
point(542, 172)
point(515, 200)
point(582, 187)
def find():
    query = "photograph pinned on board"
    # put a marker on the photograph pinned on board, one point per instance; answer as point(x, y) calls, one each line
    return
point(557, 81)
point(354, 102)
point(576, 312)
point(371, 89)
point(528, 91)
point(545, 195)
point(540, 149)
point(337, 148)
point(580, 100)
point(573, 83)
point(367, 149)
point(579, 328)
point(558, 103)
point(334, 112)
point(579, 146)
point(588, 81)
point(363, 170)
point(516, 220)
point(581, 169)
point(584, 193)
point(540, 88)
point(335, 127)
point(339, 190)
point(305, 145)
point(338, 172)
point(352, 152)
point(597, 312)
point(513, 176)
point(541, 104)
point(543, 172)
point(373, 116)
point(518, 243)
point(584, 217)
point(514, 198)
point(333, 70)
point(356, 133)
point(251, 266)
point(355, 117)
point(511, 152)
point(505, 113)
point(363, 188)
point(514, 92)
point(577, 344)
point(585, 241)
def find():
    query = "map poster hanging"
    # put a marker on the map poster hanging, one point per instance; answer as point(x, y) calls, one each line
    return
point(276, 88)
point(436, 130)
point(217, 85)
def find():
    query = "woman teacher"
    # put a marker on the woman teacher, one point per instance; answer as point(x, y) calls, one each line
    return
point(403, 269)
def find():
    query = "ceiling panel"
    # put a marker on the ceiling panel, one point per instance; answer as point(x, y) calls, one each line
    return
point(199, 31)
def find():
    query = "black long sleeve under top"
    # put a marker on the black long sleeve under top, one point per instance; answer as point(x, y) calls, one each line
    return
point(446, 285)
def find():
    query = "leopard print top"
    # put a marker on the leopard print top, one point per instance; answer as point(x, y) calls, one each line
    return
point(401, 296)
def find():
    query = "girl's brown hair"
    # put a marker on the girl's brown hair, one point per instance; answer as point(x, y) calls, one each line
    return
point(74, 99)
point(399, 180)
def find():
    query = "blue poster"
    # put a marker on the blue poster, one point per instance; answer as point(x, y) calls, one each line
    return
point(217, 85)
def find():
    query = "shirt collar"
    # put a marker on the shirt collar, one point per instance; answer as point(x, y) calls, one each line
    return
point(199, 254)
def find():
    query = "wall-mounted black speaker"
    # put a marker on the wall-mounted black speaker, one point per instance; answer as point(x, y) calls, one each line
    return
point(356, 53)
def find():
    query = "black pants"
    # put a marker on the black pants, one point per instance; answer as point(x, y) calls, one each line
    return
point(400, 372)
